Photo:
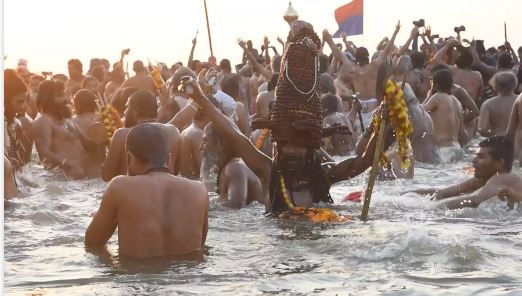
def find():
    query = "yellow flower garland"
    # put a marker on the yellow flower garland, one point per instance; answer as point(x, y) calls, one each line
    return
point(111, 120)
point(398, 117)
point(315, 215)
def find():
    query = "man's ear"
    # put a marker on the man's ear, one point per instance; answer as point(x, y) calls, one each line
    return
point(499, 164)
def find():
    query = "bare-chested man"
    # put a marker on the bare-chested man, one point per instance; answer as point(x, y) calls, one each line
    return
point(418, 77)
point(446, 112)
point(514, 130)
point(34, 81)
point(141, 80)
point(264, 98)
point(492, 164)
point(74, 83)
point(237, 185)
point(493, 119)
point(190, 151)
point(340, 145)
point(141, 107)
point(157, 214)
point(365, 78)
point(59, 142)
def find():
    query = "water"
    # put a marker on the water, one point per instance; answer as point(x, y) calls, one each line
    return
point(407, 247)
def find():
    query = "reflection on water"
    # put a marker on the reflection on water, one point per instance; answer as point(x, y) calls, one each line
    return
point(408, 247)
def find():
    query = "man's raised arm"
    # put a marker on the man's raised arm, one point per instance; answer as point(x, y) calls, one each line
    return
point(338, 54)
point(265, 72)
point(256, 160)
point(387, 50)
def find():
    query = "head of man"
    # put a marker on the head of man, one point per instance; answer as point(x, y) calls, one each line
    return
point(176, 79)
point(326, 84)
point(34, 82)
point(225, 66)
point(51, 99)
point(90, 83)
point(403, 66)
point(465, 59)
point(120, 98)
point(138, 67)
point(505, 83)
point(231, 85)
point(330, 103)
point(147, 148)
point(249, 44)
point(495, 155)
point(117, 74)
point(362, 56)
point(75, 68)
point(99, 73)
point(15, 94)
point(215, 149)
point(142, 105)
point(442, 81)
point(504, 61)
point(275, 64)
point(347, 72)
point(418, 60)
point(84, 101)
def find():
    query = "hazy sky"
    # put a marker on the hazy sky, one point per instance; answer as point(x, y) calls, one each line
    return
point(48, 33)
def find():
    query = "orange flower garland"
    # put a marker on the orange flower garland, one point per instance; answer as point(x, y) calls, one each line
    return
point(262, 138)
point(111, 119)
point(398, 117)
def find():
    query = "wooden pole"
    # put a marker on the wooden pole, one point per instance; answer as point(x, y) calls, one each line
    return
point(212, 59)
point(505, 31)
point(373, 171)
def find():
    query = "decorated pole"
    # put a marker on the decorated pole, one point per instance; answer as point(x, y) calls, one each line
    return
point(373, 171)
point(212, 58)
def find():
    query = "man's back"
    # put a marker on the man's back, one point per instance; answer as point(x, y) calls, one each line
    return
point(446, 113)
point(469, 80)
point(495, 111)
point(190, 153)
point(159, 215)
point(365, 81)
point(140, 81)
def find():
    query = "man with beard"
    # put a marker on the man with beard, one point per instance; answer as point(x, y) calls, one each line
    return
point(59, 142)
point(295, 176)
point(141, 107)
point(74, 83)
point(492, 164)
point(156, 214)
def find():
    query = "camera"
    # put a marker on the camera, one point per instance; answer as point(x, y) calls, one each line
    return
point(419, 23)
point(435, 36)
point(125, 51)
point(459, 29)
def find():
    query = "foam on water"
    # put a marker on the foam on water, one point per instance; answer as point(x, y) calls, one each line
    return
point(408, 247)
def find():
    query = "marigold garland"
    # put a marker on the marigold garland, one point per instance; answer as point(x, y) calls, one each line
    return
point(262, 138)
point(398, 117)
point(111, 119)
point(315, 215)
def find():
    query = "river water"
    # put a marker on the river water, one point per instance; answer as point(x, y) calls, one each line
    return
point(408, 247)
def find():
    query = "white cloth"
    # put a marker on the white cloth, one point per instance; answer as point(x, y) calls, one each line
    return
point(227, 104)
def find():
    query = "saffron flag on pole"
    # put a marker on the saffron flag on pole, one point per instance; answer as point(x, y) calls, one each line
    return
point(349, 17)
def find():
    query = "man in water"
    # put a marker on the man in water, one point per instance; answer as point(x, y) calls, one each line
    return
point(492, 164)
point(340, 145)
point(446, 112)
point(493, 120)
point(365, 78)
point(141, 107)
point(418, 77)
point(296, 176)
point(157, 214)
point(59, 142)
point(514, 130)
point(190, 153)
point(237, 185)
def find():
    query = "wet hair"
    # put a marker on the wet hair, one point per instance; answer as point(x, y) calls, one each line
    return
point(465, 59)
point(326, 84)
point(225, 65)
point(504, 61)
point(442, 81)
point(323, 63)
point(84, 102)
point(418, 60)
point(276, 63)
point(230, 86)
point(272, 83)
point(76, 64)
point(330, 103)
point(13, 85)
point(146, 103)
point(505, 82)
point(362, 56)
point(148, 142)
point(500, 147)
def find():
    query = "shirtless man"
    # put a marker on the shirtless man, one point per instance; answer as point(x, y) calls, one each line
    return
point(190, 151)
point(340, 145)
point(418, 77)
point(141, 107)
point(264, 98)
point(514, 130)
point(19, 145)
point(365, 78)
point(237, 185)
point(176, 100)
point(59, 142)
point(73, 84)
point(157, 214)
point(446, 112)
point(492, 164)
point(230, 86)
point(34, 81)
point(141, 80)
point(493, 119)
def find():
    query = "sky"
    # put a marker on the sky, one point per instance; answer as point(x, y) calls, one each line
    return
point(49, 33)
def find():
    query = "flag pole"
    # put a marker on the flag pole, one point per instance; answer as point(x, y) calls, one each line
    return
point(212, 59)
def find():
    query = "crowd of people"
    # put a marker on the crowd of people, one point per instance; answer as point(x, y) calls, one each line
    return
point(268, 130)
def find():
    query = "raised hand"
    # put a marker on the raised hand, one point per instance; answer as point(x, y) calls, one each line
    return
point(266, 41)
point(397, 27)
point(414, 32)
point(241, 43)
point(343, 35)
